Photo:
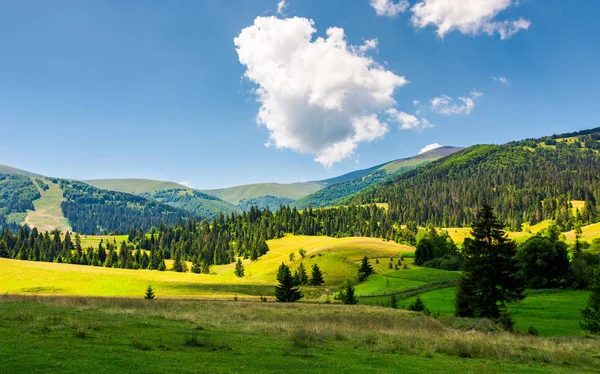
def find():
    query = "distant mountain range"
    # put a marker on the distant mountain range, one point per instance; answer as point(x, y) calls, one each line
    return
point(527, 181)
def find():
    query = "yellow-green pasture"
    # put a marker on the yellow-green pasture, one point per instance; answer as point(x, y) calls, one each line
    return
point(337, 258)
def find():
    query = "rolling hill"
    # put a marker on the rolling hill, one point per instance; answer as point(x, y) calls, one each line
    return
point(525, 182)
point(339, 188)
point(10, 170)
point(234, 194)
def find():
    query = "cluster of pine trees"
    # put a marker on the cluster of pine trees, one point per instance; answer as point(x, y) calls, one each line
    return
point(220, 242)
point(17, 194)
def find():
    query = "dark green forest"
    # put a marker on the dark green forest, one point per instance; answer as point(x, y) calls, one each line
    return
point(522, 181)
point(91, 210)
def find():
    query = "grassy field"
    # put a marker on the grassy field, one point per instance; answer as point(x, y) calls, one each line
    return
point(590, 233)
point(551, 312)
point(74, 335)
point(336, 257)
point(47, 214)
point(392, 281)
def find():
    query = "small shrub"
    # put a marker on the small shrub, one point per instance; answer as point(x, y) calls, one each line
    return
point(263, 299)
point(80, 333)
point(149, 293)
point(139, 345)
point(532, 331)
point(235, 298)
point(418, 306)
point(305, 339)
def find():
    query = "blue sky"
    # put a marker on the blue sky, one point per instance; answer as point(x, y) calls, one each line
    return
point(156, 89)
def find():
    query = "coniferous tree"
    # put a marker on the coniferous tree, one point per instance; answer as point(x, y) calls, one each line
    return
point(300, 275)
point(346, 294)
point(239, 268)
point(490, 272)
point(316, 278)
point(286, 291)
point(591, 314)
point(177, 263)
point(149, 293)
point(196, 268)
point(365, 269)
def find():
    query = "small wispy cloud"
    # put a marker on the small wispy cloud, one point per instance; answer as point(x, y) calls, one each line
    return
point(281, 6)
point(186, 183)
point(447, 106)
point(502, 80)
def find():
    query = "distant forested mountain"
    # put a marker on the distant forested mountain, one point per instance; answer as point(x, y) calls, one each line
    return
point(340, 188)
point(91, 210)
point(203, 205)
point(271, 202)
point(524, 181)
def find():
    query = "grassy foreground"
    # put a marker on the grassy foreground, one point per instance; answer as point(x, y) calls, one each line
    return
point(74, 335)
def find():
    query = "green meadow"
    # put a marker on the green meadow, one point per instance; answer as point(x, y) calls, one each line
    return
point(75, 335)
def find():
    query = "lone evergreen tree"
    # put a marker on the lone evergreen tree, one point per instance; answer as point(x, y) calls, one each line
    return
point(490, 271)
point(149, 293)
point(591, 314)
point(286, 291)
point(316, 278)
point(347, 295)
point(239, 268)
point(365, 269)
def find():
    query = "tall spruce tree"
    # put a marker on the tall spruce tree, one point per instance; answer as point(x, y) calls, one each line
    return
point(286, 291)
point(490, 272)
point(365, 269)
point(239, 268)
point(316, 277)
point(591, 314)
point(300, 275)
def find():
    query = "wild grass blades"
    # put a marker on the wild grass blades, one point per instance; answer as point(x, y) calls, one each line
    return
point(315, 326)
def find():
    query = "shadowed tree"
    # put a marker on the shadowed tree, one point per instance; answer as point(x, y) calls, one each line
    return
point(316, 278)
point(490, 272)
point(591, 314)
point(285, 291)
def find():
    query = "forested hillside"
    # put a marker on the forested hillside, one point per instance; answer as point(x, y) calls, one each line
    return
point(271, 202)
point(203, 205)
point(525, 181)
point(339, 189)
point(17, 193)
point(91, 210)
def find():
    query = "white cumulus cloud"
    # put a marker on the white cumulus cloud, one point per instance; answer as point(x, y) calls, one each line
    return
point(281, 6)
point(470, 17)
point(502, 80)
point(446, 105)
point(186, 183)
point(318, 95)
point(389, 8)
point(407, 121)
point(430, 147)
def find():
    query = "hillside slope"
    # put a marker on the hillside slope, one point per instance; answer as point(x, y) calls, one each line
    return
point(234, 194)
point(134, 185)
point(10, 170)
point(525, 181)
point(196, 202)
point(345, 186)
